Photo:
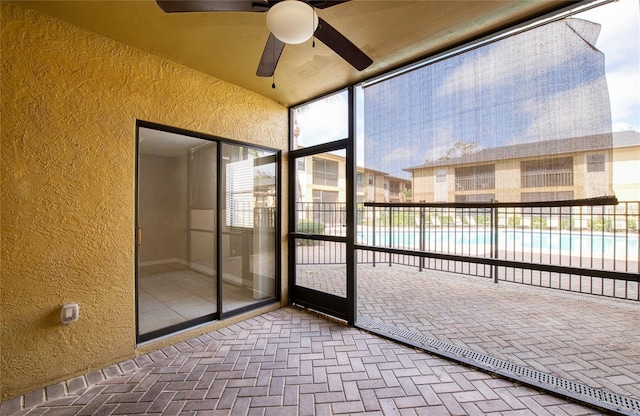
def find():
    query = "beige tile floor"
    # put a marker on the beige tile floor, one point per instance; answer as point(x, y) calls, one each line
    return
point(170, 294)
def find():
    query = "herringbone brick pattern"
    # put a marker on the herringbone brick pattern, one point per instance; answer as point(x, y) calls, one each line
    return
point(587, 339)
point(290, 362)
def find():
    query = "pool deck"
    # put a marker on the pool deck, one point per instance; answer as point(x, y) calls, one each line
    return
point(591, 340)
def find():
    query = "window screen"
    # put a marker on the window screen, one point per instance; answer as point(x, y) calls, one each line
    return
point(518, 113)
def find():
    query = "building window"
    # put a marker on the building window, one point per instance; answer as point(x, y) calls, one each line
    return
point(300, 164)
point(441, 175)
point(385, 184)
point(321, 196)
point(360, 179)
point(371, 179)
point(325, 172)
point(546, 172)
point(326, 208)
point(476, 178)
point(595, 163)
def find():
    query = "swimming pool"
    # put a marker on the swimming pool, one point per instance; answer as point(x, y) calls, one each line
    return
point(620, 246)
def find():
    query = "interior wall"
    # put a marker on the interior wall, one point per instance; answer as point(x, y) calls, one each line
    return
point(69, 101)
point(163, 211)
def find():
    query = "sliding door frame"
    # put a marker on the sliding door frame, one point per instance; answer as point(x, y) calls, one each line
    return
point(218, 314)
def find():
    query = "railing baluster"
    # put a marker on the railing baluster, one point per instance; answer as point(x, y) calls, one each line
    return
point(422, 236)
point(494, 270)
point(373, 223)
point(390, 227)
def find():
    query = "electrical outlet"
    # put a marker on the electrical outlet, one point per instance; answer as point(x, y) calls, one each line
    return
point(69, 313)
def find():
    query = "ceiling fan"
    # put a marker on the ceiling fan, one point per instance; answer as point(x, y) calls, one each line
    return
point(324, 32)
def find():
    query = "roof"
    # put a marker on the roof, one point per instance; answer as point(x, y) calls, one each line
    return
point(627, 138)
point(544, 148)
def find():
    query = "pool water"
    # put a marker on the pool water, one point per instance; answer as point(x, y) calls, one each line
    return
point(452, 240)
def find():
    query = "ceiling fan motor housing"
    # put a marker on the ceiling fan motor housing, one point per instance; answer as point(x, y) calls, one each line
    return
point(292, 21)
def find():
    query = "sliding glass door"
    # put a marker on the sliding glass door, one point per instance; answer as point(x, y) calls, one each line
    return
point(248, 236)
point(206, 229)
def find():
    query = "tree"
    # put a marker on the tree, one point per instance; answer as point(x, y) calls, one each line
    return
point(460, 149)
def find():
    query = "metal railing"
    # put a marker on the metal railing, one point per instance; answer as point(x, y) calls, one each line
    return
point(553, 179)
point(587, 249)
point(331, 215)
point(475, 183)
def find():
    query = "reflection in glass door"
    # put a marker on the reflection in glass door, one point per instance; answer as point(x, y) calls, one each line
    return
point(176, 231)
point(248, 226)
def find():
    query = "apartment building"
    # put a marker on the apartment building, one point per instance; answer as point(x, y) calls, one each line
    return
point(323, 179)
point(554, 170)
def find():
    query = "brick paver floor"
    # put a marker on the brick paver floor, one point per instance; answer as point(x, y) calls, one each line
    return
point(291, 362)
point(587, 339)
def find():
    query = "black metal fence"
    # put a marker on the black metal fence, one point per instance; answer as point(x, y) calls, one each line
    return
point(588, 249)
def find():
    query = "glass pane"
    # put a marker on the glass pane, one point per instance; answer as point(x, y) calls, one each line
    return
point(322, 121)
point(321, 194)
point(176, 216)
point(248, 226)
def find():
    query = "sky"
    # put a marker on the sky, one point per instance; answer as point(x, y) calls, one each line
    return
point(620, 41)
point(618, 38)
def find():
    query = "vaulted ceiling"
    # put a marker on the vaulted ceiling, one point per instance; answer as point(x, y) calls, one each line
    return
point(228, 45)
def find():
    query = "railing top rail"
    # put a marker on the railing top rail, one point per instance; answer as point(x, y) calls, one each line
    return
point(608, 200)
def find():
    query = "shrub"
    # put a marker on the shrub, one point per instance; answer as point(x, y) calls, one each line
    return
point(599, 223)
point(513, 222)
point(310, 227)
point(404, 219)
point(538, 223)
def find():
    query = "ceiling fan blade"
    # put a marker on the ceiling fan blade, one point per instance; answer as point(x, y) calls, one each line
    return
point(180, 6)
point(323, 4)
point(328, 35)
point(270, 56)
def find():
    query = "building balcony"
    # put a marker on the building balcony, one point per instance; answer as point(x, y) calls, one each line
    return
point(473, 184)
point(547, 179)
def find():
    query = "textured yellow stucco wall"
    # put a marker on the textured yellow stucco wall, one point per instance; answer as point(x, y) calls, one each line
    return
point(69, 101)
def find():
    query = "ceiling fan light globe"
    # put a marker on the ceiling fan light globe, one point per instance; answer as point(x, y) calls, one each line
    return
point(292, 21)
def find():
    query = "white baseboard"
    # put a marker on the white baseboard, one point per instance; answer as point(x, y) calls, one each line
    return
point(163, 261)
